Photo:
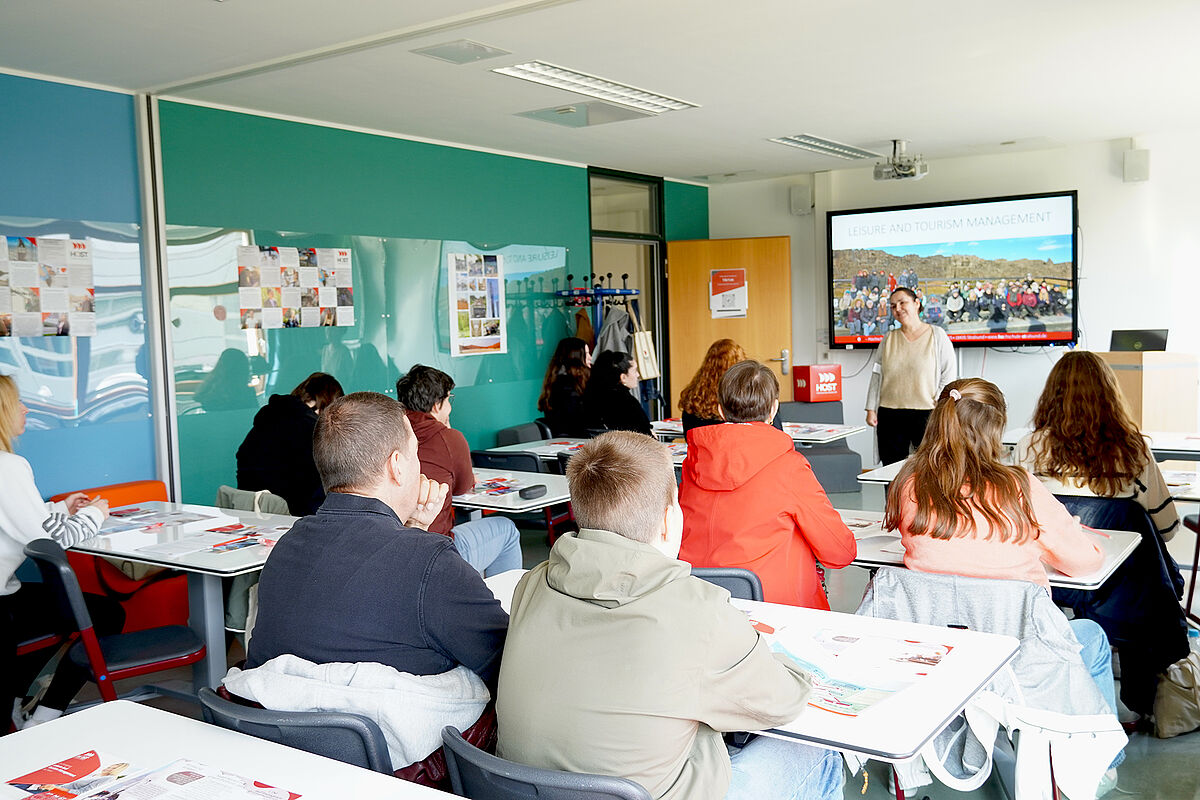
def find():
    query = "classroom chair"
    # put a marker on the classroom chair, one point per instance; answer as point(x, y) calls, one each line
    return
point(835, 465)
point(110, 658)
point(1192, 523)
point(151, 602)
point(525, 432)
point(1138, 606)
point(477, 775)
point(740, 583)
point(350, 738)
point(1035, 698)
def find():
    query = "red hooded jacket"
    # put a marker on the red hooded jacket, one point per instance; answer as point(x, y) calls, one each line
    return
point(750, 500)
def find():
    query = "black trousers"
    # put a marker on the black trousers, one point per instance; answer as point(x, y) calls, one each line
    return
point(900, 430)
point(30, 612)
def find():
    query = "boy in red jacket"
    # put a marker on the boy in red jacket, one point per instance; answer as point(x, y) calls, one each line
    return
point(750, 500)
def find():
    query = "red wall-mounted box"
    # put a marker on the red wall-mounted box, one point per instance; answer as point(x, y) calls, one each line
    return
point(818, 383)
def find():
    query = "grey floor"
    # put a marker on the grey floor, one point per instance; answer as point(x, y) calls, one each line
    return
point(1154, 769)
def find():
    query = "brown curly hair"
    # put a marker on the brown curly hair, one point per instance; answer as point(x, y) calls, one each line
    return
point(699, 397)
point(962, 449)
point(1083, 428)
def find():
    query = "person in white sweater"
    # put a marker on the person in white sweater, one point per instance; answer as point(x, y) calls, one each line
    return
point(28, 610)
point(913, 364)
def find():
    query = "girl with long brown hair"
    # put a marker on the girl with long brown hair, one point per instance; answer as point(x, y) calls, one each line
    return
point(960, 510)
point(1084, 441)
point(561, 400)
point(698, 401)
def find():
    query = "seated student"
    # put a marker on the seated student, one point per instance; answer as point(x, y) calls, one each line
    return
point(491, 545)
point(698, 400)
point(1085, 443)
point(960, 510)
point(276, 454)
point(360, 588)
point(561, 400)
point(607, 400)
point(29, 610)
point(660, 662)
point(750, 500)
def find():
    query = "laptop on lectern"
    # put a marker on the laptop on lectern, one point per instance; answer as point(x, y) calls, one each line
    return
point(1138, 340)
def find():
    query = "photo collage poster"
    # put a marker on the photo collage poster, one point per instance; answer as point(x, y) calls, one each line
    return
point(477, 324)
point(46, 287)
point(288, 287)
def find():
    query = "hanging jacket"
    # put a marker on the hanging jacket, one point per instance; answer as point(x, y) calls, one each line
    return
point(616, 332)
point(750, 500)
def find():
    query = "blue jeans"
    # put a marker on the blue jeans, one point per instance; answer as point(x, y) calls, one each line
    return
point(768, 769)
point(1097, 657)
point(491, 545)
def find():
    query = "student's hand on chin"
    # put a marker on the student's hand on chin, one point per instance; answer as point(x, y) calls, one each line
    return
point(431, 495)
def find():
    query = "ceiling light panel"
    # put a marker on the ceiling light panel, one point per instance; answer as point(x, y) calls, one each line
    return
point(461, 51)
point(826, 147)
point(594, 86)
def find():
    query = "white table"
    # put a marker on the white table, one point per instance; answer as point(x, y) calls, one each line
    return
point(1165, 445)
point(898, 726)
point(880, 548)
point(545, 449)
point(882, 475)
point(206, 602)
point(556, 492)
point(819, 433)
point(149, 738)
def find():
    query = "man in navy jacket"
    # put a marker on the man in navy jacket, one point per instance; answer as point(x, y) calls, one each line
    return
point(362, 580)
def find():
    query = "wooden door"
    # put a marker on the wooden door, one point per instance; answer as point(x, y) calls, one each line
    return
point(764, 332)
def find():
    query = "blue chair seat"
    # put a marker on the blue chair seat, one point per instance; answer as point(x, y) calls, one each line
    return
point(132, 650)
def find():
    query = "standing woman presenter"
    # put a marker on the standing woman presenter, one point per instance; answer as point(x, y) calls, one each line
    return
point(914, 363)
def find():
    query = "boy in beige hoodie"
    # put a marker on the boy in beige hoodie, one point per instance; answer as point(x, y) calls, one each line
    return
point(619, 662)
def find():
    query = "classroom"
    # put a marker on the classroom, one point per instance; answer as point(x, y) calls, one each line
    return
point(170, 148)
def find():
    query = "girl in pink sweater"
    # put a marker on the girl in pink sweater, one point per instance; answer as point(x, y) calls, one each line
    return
point(961, 511)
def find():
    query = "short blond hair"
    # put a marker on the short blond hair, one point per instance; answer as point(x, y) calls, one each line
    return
point(10, 412)
point(622, 482)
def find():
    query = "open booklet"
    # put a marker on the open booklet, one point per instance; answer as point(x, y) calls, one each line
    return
point(99, 776)
point(852, 672)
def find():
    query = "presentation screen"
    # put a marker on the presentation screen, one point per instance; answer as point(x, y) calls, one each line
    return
point(995, 271)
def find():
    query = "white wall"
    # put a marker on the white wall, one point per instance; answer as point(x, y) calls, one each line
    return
point(1139, 264)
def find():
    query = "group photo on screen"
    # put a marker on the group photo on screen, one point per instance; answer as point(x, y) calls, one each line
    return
point(989, 288)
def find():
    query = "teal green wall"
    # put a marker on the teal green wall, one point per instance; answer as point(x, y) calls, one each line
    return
point(685, 211)
point(239, 171)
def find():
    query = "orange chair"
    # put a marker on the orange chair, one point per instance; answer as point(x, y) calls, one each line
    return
point(152, 603)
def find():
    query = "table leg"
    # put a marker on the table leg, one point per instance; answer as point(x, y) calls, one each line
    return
point(206, 605)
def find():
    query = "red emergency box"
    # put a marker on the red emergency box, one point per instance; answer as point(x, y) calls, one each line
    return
point(818, 383)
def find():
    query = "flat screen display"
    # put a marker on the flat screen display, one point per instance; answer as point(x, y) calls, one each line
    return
point(995, 271)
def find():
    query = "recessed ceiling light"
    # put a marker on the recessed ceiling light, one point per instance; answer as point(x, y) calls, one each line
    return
point(593, 86)
point(826, 147)
point(461, 51)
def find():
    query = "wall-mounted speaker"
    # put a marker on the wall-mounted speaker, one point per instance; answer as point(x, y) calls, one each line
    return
point(800, 199)
point(1137, 165)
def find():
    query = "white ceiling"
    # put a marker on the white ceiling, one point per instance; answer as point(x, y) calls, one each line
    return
point(954, 77)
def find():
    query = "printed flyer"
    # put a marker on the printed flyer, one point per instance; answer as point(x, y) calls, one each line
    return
point(288, 287)
point(477, 323)
point(728, 294)
point(851, 673)
point(46, 287)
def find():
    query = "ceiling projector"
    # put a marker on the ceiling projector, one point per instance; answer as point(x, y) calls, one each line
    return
point(901, 166)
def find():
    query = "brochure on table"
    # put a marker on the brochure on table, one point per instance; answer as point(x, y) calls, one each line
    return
point(169, 534)
point(96, 775)
point(868, 668)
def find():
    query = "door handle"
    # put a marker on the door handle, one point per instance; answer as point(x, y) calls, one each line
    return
point(786, 358)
